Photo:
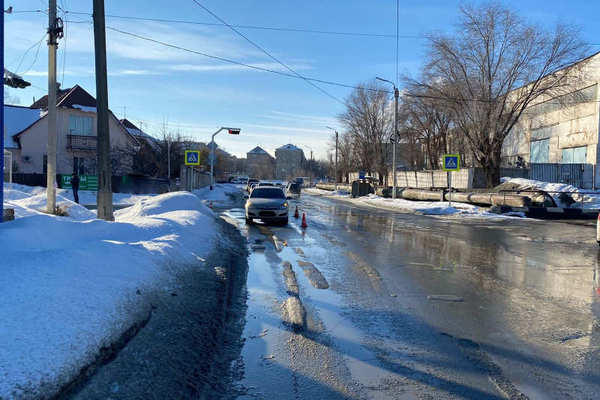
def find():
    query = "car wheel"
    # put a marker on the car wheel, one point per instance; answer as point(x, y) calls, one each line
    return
point(283, 222)
point(249, 220)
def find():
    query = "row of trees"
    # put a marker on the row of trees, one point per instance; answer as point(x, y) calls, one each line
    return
point(473, 88)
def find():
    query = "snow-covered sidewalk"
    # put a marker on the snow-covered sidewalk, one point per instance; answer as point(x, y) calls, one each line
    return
point(439, 208)
point(71, 285)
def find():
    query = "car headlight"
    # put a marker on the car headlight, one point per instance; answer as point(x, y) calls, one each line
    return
point(284, 205)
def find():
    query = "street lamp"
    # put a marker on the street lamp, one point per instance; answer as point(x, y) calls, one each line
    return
point(396, 94)
point(231, 131)
point(336, 155)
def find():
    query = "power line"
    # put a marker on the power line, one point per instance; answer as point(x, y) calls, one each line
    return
point(256, 27)
point(38, 44)
point(229, 61)
point(320, 89)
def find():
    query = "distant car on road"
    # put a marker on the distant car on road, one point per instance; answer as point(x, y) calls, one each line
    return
point(293, 189)
point(266, 183)
point(267, 203)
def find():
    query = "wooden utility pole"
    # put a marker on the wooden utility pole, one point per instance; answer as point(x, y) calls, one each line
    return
point(53, 32)
point(105, 208)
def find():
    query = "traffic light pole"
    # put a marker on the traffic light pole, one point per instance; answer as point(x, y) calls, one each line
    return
point(2, 113)
point(232, 131)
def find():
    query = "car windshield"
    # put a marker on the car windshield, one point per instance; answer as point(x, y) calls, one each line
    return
point(267, 193)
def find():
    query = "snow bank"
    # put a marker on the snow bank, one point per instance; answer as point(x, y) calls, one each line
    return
point(441, 208)
point(69, 284)
point(87, 197)
point(590, 199)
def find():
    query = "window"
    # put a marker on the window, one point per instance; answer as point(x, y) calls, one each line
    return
point(84, 166)
point(575, 155)
point(540, 151)
point(80, 125)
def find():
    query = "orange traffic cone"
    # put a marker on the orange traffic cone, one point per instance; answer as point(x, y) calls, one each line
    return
point(296, 215)
point(304, 224)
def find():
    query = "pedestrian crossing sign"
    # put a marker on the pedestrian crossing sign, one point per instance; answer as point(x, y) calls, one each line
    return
point(451, 162)
point(192, 157)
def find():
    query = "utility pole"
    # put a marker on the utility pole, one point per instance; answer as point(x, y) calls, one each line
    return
point(2, 113)
point(53, 33)
point(396, 94)
point(169, 157)
point(395, 139)
point(105, 208)
point(336, 156)
point(336, 160)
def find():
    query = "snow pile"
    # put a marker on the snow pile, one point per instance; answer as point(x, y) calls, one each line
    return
point(87, 197)
point(420, 207)
point(590, 199)
point(221, 194)
point(441, 208)
point(70, 284)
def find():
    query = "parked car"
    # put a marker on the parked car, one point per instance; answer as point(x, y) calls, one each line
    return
point(267, 203)
point(249, 184)
point(266, 183)
point(293, 189)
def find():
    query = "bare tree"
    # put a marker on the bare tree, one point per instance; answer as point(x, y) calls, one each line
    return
point(493, 69)
point(428, 122)
point(367, 120)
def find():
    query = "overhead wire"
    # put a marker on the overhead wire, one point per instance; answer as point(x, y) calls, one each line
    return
point(256, 27)
point(230, 61)
point(65, 35)
point(268, 54)
point(281, 73)
point(38, 44)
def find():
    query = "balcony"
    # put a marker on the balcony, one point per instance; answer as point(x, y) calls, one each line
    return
point(81, 142)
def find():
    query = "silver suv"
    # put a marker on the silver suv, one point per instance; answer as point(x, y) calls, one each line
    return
point(267, 203)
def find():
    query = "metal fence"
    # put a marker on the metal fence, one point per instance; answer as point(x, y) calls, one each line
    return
point(8, 166)
point(192, 178)
point(578, 175)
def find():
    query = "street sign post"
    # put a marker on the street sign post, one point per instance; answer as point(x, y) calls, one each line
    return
point(451, 162)
point(192, 157)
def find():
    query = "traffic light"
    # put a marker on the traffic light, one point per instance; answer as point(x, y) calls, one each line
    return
point(14, 80)
point(233, 131)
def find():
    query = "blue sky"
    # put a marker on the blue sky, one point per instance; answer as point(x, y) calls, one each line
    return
point(196, 95)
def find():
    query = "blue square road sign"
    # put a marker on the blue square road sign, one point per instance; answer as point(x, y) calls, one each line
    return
point(192, 157)
point(451, 162)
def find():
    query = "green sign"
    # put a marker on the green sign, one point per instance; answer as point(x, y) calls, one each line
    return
point(86, 182)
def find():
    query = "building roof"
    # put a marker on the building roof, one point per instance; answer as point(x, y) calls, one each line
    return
point(289, 147)
point(17, 119)
point(138, 133)
point(258, 150)
point(75, 97)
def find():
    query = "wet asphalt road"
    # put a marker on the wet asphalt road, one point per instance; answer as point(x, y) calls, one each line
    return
point(421, 307)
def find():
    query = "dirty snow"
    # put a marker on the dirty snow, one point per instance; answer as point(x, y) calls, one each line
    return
point(69, 284)
point(220, 195)
point(440, 208)
point(591, 199)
